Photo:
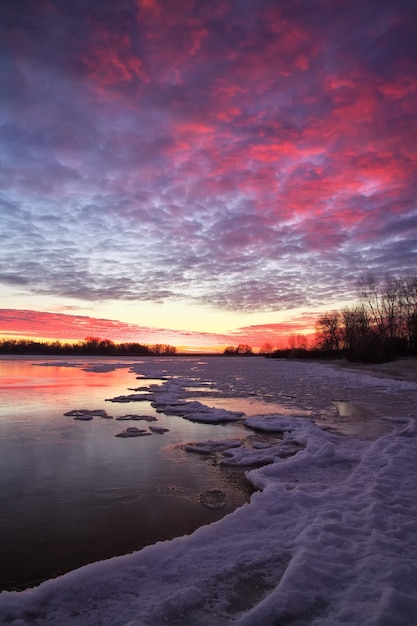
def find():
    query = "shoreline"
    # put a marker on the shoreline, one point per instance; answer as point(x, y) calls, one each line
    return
point(343, 508)
point(404, 368)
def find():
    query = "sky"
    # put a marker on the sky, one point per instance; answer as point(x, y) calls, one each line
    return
point(202, 173)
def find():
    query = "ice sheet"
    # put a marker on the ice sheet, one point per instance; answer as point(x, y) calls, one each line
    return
point(330, 538)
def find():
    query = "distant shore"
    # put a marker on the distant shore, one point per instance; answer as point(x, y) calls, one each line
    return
point(401, 369)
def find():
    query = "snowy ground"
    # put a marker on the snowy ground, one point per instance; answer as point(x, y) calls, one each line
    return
point(330, 537)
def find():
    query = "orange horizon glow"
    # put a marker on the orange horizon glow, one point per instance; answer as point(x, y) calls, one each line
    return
point(31, 325)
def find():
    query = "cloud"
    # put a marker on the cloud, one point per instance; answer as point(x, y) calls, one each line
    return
point(249, 156)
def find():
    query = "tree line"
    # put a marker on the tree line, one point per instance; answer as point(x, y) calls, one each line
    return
point(242, 348)
point(382, 324)
point(89, 346)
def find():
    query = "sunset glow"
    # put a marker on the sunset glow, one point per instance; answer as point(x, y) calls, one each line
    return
point(202, 174)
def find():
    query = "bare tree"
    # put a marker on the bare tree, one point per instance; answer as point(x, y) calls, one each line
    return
point(371, 298)
point(297, 341)
point(243, 348)
point(328, 329)
point(267, 348)
point(409, 309)
point(355, 326)
point(392, 307)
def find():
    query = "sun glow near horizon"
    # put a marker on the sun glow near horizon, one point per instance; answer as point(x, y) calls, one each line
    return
point(49, 327)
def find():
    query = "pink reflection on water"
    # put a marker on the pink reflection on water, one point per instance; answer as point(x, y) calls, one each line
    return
point(250, 406)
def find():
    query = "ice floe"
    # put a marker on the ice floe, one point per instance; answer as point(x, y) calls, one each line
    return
point(88, 414)
point(159, 430)
point(92, 412)
point(133, 397)
point(135, 417)
point(211, 447)
point(213, 416)
point(197, 412)
point(276, 423)
point(133, 431)
point(214, 498)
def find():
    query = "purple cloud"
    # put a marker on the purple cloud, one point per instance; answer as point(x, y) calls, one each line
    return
point(249, 156)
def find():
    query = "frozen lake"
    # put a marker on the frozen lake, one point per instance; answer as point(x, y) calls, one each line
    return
point(329, 538)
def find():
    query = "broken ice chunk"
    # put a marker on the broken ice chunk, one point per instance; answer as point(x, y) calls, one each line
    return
point(132, 431)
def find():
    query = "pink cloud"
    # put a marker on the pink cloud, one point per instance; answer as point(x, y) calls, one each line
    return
point(257, 154)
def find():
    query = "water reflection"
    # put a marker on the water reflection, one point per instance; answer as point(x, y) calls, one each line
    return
point(349, 409)
point(249, 406)
point(71, 492)
point(354, 420)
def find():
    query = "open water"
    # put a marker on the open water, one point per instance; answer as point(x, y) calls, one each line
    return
point(71, 492)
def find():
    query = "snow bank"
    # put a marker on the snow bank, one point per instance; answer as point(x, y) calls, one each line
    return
point(331, 539)
point(330, 550)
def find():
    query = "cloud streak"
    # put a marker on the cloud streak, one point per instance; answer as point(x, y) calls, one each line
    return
point(248, 156)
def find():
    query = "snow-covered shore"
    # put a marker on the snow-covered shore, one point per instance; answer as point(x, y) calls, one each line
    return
point(330, 538)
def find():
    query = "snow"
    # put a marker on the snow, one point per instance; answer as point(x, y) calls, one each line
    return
point(329, 538)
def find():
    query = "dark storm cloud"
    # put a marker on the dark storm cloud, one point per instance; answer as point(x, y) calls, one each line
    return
point(250, 155)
